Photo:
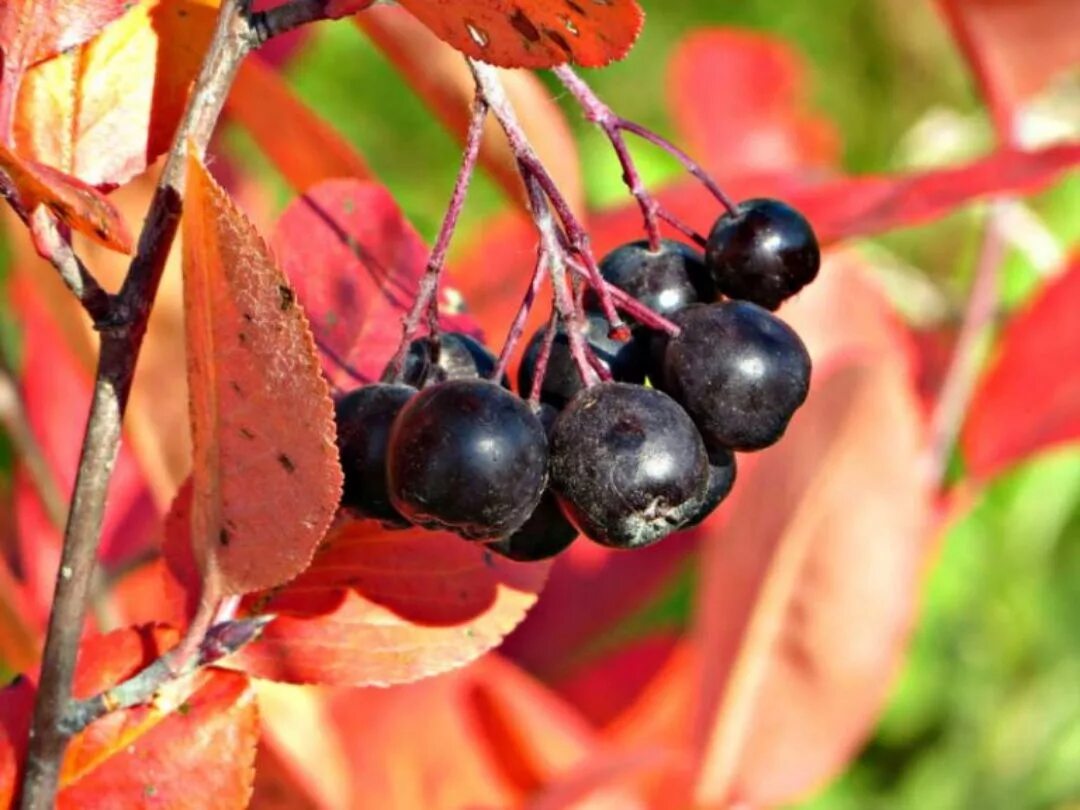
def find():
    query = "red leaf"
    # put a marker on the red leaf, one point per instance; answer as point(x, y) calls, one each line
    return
point(78, 205)
point(106, 109)
point(148, 752)
point(34, 30)
point(860, 206)
point(16, 712)
point(798, 653)
point(266, 476)
point(1015, 48)
point(534, 33)
point(380, 607)
point(355, 263)
point(303, 147)
point(757, 121)
point(1030, 397)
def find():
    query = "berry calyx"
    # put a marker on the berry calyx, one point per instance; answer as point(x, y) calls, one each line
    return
point(765, 252)
point(562, 379)
point(467, 456)
point(738, 370)
point(364, 417)
point(665, 280)
point(627, 464)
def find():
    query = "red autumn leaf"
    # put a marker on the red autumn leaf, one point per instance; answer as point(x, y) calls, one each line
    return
point(1015, 48)
point(1030, 397)
point(106, 109)
point(534, 33)
point(16, 712)
point(355, 263)
point(266, 477)
point(56, 390)
point(442, 79)
point(78, 205)
point(303, 147)
point(797, 651)
point(757, 122)
point(861, 206)
point(378, 607)
point(20, 640)
point(206, 724)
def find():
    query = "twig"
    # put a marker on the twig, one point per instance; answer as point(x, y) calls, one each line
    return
point(56, 248)
point(613, 126)
point(963, 373)
point(427, 299)
point(285, 18)
point(215, 643)
point(121, 340)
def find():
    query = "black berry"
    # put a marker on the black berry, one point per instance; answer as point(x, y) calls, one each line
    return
point(722, 469)
point(627, 463)
point(363, 418)
point(739, 371)
point(460, 357)
point(468, 456)
point(665, 280)
point(764, 252)
point(624, 359)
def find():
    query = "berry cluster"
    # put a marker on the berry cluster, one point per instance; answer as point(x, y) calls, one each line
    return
point(625, 461)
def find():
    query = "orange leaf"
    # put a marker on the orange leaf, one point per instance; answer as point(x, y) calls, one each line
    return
point(808, 596)
point(380, 607)
point(80, 206)
point(534, 33)
point(303, 147)
point(442, 79)
point(266, 475)
point(147, 753)
point(106, 109)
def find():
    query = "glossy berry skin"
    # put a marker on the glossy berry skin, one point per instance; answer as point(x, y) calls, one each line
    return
point(739, 371)
point(628, 465)
point(624, 359)
point(547, 532)
point(467, 456)
point(764, 252)
point(665, 280)
point(461, 357)
point(364, 417)
point(722, 470)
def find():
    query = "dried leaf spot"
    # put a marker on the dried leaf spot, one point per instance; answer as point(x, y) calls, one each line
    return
point(235, 386)
point(223, 537)
point(288, 297)
point(524, 26)
point(576, 8)
point(559, 40)
point(286, 463)
point(247, 434)
point(477, 34)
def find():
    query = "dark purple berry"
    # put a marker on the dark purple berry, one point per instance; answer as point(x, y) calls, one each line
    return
point(468, 456)
point(363, 418)
point(665, 280)
point(627, 463)
point(739, 371)
point(624, 359)
point(764, 252)
point(722, 469)
point(460, 357)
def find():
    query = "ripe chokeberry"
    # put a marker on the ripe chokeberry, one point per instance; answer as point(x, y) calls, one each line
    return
point(722, 469)
point(547, 532)
point(460, 357)
point(562, 380)
point(627, 464)
point(467, 456)
point(665, 280)
point(765, 252)
point(364, 417)
point(738, 370)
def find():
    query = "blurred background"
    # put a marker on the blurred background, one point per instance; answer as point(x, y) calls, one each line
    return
point(986, 712)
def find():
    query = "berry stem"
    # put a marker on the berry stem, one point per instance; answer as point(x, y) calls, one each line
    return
point(542, 359)
point(631, 306)
point(517, 328)
point(531, 169)
point(613, 126)
point(427, 295)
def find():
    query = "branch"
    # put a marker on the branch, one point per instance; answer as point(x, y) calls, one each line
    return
point(56, 248)
point(121, 340)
